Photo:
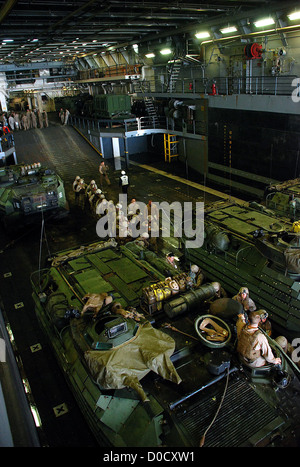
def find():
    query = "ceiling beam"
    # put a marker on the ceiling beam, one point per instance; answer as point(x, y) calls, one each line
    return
point(6, 8)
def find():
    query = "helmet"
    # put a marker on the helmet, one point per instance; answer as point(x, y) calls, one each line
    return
point(93, 182)
point(216, 286)
point(98, 191)
point(263, 314)
point(123, 172)
point(77, 178)
point(145, 235)
point(195, 268)
point(244, 290)
point(282, 341)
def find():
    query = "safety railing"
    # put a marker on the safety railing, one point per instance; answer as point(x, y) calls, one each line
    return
point(16, 77)
point(194, 127)
point(110, 71)
point(257, 85)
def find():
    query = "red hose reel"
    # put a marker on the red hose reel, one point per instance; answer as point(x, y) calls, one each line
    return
point(253, 51)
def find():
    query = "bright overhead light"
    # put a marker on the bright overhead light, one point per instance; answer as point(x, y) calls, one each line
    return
point(165, 51)
point(228, 30)
point(202, 35)
point(150, 55)
point(264, 22)
point(295, 15)
point(7, 40)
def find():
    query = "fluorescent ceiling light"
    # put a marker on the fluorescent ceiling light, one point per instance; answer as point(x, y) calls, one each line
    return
point(150, 55)
point(7, 40)
point(264, 22)
point(202, 35)
point(295, 15)
point(166, 51)
point(228, 30)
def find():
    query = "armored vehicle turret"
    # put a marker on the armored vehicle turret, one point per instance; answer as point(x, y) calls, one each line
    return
point(29, 190)
point(284, 198)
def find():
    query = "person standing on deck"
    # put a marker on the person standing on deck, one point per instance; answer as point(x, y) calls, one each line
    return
point(67, 113)
point(124, 182)
point(103, 170)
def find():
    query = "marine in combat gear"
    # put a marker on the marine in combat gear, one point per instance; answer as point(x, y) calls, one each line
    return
point(253, 346)
point(244, 299)
point(196, 275)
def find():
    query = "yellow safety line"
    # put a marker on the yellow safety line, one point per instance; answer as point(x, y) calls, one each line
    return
point(178, 179)
point(193, 184)
point(88, 141)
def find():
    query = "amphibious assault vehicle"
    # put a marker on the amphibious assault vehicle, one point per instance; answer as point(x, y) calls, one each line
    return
point(256, 249)
point(148, 363)
point(26, 191)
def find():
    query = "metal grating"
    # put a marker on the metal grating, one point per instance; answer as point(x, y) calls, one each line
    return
point(236, 421)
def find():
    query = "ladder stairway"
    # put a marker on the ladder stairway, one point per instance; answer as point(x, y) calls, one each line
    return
point(139, 86)
point(175, 70)
point(170, 147)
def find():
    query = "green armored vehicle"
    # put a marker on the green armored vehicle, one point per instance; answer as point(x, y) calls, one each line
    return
point(245, 247)
point(26, 191)
point(145, 359)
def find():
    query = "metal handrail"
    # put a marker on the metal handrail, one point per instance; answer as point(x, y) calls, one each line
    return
point(110, 71)
point(255, 85)
point(136, 124)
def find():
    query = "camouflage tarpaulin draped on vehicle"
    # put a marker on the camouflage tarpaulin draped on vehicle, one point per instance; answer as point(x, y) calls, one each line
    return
point(126, 364)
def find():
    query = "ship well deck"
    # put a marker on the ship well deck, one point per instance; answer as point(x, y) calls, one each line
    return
point(62, 424)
